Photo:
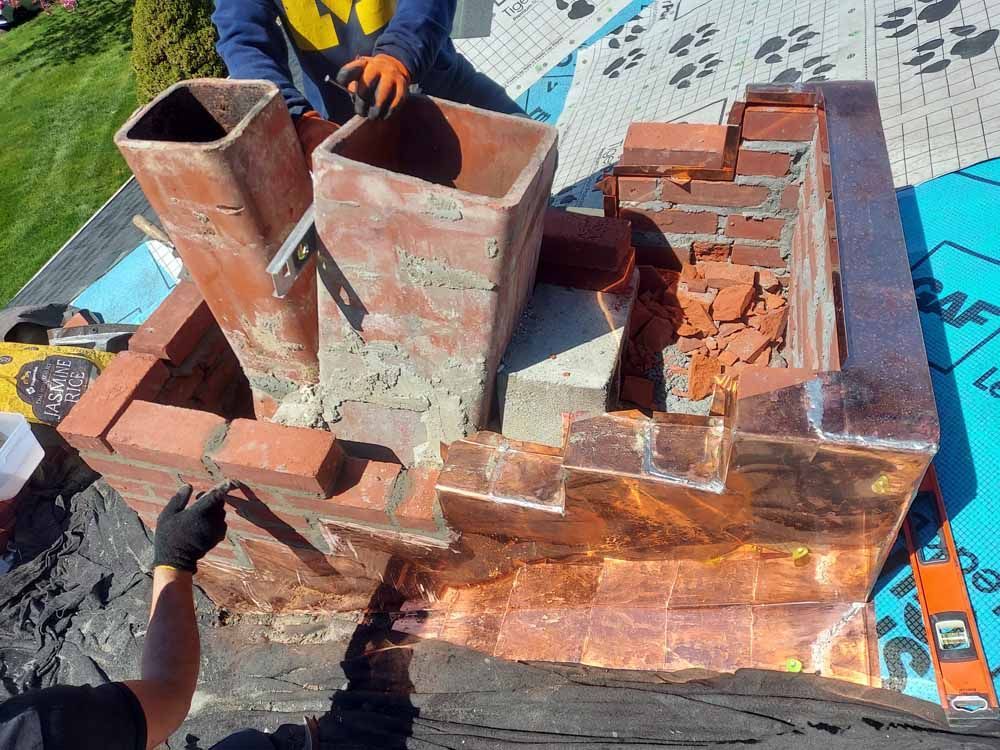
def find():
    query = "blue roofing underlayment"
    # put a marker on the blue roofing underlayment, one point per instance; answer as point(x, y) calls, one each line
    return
point(952, 227)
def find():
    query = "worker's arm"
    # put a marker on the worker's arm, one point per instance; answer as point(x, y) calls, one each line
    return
point(416, 33)
point(253, 47)
point(172, 649)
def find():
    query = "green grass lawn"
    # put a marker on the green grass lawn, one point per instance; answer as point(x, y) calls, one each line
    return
point(65, 87)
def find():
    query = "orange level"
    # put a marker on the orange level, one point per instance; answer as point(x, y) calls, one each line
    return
point(963, 677)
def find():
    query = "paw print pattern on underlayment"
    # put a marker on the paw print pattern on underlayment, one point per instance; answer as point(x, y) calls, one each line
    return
point(900, 23)
point(812, 70)
point(777, 48)
point(701, 36)
point(969, 45)
point(704, 66)
point(577, 9)
point(618, 39)
point(964, 42)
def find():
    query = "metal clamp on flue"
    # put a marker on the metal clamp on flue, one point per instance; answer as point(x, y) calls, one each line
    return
point(294, 253)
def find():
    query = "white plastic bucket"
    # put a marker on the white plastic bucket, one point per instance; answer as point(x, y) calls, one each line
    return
point(20, 454)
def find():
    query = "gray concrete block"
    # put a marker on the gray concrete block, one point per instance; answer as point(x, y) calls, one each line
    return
point(563, 358)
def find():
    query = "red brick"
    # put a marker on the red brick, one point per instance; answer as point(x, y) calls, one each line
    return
point(130, 487)
point(362, 492)
point(681, 144)
point(612, 282)
point(714, 193)
point(218, 385)
point(176, 327)
point(258, 519)
point(165, 435)
point(669, 220)
point(128, 377)
point(280, 456)
point(416, 509)
point(224, 552)
point(779, 123)
point(754, 228)
point(747, 344)
point(638, 391)
point(767, 280)
point(753, 255)
point(181, 389)
point(721, 275)
point(638, 189)
point(143, 506)
point(657, 335)
point(75, 320)
point(762, 163)
point(640, 316)
point(732, 302)
point(582, 241)
point(711, 250)
point(790, 197)
point(382, 433)
point(669, 255)
point(120, 469)
point(701, 376)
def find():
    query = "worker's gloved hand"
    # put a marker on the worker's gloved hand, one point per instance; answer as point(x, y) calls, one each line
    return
point(377, 84)
point(313, 130)
point(185, 535)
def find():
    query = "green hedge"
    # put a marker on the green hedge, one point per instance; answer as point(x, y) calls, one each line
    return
point(172, 40)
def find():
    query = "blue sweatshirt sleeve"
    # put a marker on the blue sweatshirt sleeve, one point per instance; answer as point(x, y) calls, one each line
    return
point(416, 33)
point(253, 47)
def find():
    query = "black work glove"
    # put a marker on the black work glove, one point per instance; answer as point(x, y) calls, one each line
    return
point(185, 535)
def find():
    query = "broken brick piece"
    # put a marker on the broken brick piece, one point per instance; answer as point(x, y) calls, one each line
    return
point(728, 358)
point(689, 272)
point(701, 376)
point(773, 301)
point(696, 313)
point(772, 324)
point(711, 343)
point(767, 280)
point(727, 329)
point(747, 344)
point(657, 334)
point(637, 390)
point(721, 275)
point(717, 251)
point(689, 344)
point(650, 281)
point(640, 316)
point(732, 302)
point(582, 241)
point(763, 359)
point(695, 286)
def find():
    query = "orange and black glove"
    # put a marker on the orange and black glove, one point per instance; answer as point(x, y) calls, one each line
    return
point(312, 130)
point(377, 84)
